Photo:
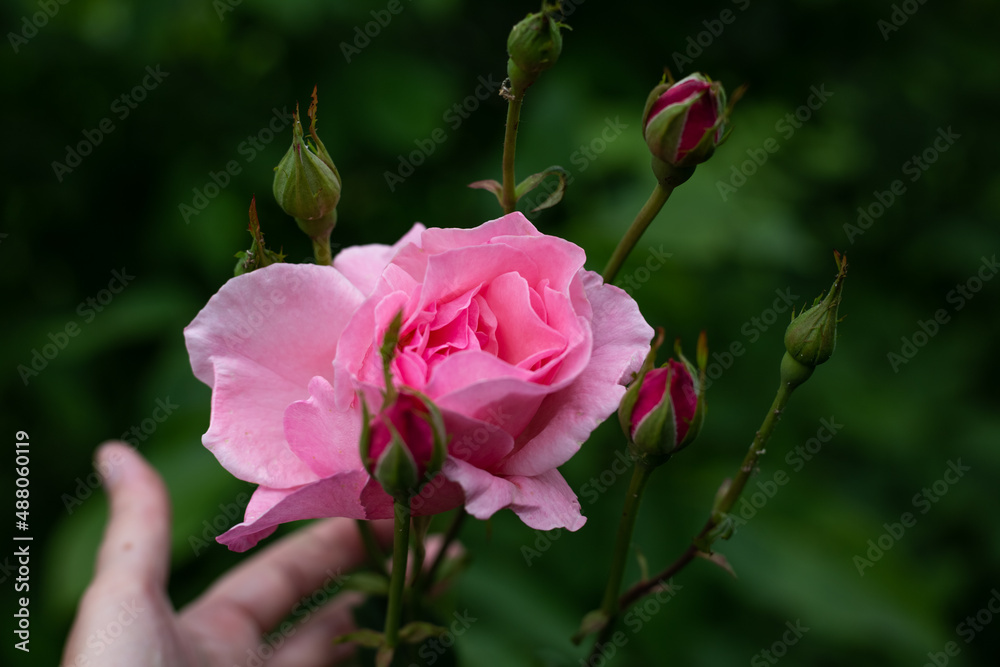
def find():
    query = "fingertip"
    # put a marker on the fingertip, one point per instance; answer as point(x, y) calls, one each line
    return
point(137, 537)
point(109, 458)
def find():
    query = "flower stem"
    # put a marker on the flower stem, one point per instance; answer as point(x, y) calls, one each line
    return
point(623, 543)
point(321, 250)
point(642, 220)
point(400, 550)
point(724, 503)
point(509, 199)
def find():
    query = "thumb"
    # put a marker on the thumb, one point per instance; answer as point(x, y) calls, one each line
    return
point(136, 544)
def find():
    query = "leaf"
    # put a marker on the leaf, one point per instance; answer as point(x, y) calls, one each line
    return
point(491, 186)
point(719, 560)
point(364, 637)
point(418, 631)
point(368, 583)
point(533, 181)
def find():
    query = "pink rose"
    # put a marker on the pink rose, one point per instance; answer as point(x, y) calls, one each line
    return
point(523, 351)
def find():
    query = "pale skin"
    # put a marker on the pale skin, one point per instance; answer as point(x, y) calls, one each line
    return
point(126, 619)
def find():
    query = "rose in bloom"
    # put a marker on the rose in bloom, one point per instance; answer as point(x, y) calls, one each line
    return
point(523, 351)
point(684, 122)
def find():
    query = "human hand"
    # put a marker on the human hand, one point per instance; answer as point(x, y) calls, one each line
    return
point(125, 618)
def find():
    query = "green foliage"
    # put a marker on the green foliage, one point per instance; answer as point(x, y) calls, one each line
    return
point(121, 207)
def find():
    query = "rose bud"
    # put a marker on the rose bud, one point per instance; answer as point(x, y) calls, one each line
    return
point(306, 182)
point(404, 445)
point(812, 336)
point(663, 410)
point(534, 46)
point(683, 122)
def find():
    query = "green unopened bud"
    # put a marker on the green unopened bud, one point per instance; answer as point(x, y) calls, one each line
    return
point(534, 46)
point(396, 469)
point(812, 336)
point(306, 182)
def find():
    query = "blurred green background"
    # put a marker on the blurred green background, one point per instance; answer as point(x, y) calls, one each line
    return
point(227, 65)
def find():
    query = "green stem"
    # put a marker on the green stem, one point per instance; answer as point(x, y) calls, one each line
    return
point(420, 526)
point(509, 199)
point(321, 250)
point(642, 220)
point(623, 543)
point(400, 550)
point(723, 504)
point(376, 557)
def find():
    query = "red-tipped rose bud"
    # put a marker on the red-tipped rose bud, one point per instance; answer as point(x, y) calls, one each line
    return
point(684, 121)
point(404, 444)
point(663, 410)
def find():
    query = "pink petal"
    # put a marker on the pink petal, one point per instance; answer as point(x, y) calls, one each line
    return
point(334, 496)
point(246, 431)
point(438, 495)
point(363, 264)
point(323, 436)
point(249, 344)
point(485, 494)
point(523, 335)
point(567, 418)
point(545, 502)
point(436, 240)
point(481, 443)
